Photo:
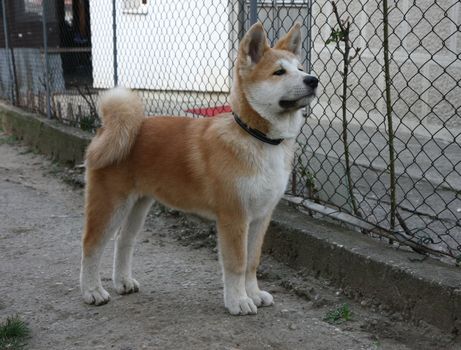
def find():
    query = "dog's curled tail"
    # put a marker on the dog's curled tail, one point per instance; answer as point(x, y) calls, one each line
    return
point(121, 112)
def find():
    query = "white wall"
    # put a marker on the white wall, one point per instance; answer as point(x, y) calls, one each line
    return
point(176, 45)
point(101, 38)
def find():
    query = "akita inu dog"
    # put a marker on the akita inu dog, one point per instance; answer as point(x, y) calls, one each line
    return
point(233, 168)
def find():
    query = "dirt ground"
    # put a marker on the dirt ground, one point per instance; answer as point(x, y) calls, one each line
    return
point(180, 303)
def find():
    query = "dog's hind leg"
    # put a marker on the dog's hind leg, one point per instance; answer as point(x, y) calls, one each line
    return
point(124, 283)
point(103, 216)
point(256, 235)
point(232, 239)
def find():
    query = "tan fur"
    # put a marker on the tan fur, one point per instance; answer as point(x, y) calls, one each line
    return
point(172, 161)
point(205, 166)
point(247, 72)
point(102, 197)
point(291, 42)
point(121, 112)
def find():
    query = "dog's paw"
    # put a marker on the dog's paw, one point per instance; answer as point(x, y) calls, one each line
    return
point(262, 298)
point(242, 306)
point(126, 285)
point(97, 296)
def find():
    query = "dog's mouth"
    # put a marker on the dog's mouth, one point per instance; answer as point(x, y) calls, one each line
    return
point(298, 103)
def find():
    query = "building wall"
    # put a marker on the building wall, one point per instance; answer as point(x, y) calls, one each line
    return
point(186, 45)
point(170, 45)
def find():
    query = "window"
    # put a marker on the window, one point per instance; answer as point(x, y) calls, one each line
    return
point(135, 6)
point(33, 7)
point(32, 10)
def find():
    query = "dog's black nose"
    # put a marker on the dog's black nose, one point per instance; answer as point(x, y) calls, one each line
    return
point(311, 81)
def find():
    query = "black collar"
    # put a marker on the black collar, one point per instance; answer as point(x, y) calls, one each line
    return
point(256, 133)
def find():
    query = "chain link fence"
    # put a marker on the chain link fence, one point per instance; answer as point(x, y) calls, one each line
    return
point(383, 140)
point(380, 148)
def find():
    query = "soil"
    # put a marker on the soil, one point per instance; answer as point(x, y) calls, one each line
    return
point(180, 304)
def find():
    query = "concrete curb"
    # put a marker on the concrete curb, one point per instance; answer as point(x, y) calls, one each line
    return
point(63, 143)
point(364, 268)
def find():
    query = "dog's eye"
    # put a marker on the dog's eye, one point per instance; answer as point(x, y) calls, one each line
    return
point(300, 69)
point(280, 72)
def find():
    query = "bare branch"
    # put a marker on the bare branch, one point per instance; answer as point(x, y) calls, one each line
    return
point(338, 19)
point(357, 50)
point(339, 48)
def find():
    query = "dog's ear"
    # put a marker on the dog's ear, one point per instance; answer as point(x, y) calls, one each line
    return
point(291, 41)
point(253, 45)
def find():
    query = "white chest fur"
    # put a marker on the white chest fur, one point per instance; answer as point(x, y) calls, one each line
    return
point(261, 191)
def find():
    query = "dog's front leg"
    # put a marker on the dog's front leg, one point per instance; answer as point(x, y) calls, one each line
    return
point(232, 238)
point(256, 235)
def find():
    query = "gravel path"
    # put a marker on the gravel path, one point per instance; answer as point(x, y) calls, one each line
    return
point(180, 302)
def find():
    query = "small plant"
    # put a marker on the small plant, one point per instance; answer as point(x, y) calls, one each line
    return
point(336, 36)
point(458, 260)
point(312, 190)
point(13, 333)
point(8, 139)
point(88, 123)
point(339, 315)
point(340, 35)
point(91, 121)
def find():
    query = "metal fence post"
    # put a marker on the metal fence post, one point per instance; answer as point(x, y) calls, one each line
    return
point(9, 55)
point(253, 12)
point(308, 25)
point(241, 16)
point(308, 46)
point(47, 72)
point(114, 40)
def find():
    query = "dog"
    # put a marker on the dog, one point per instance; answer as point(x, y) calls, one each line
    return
point(232, 168)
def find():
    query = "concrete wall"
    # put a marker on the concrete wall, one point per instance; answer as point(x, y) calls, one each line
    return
point(425, 69)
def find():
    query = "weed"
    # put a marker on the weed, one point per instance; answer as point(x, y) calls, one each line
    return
point(312, 191)
point(55, 168)
point(8, 139)
point(339, 315)
point(13, 333)
point(88, 123)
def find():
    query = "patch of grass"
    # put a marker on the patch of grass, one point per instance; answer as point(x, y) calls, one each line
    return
point(89, 123)
point(339, 315)
point(13, 333)
point(8, 139)
point(27, 151)
point(55, 168)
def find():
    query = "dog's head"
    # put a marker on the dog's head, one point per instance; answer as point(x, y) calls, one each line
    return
point(272, 79)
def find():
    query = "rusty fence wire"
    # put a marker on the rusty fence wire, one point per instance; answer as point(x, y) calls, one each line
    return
point(380, 148)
